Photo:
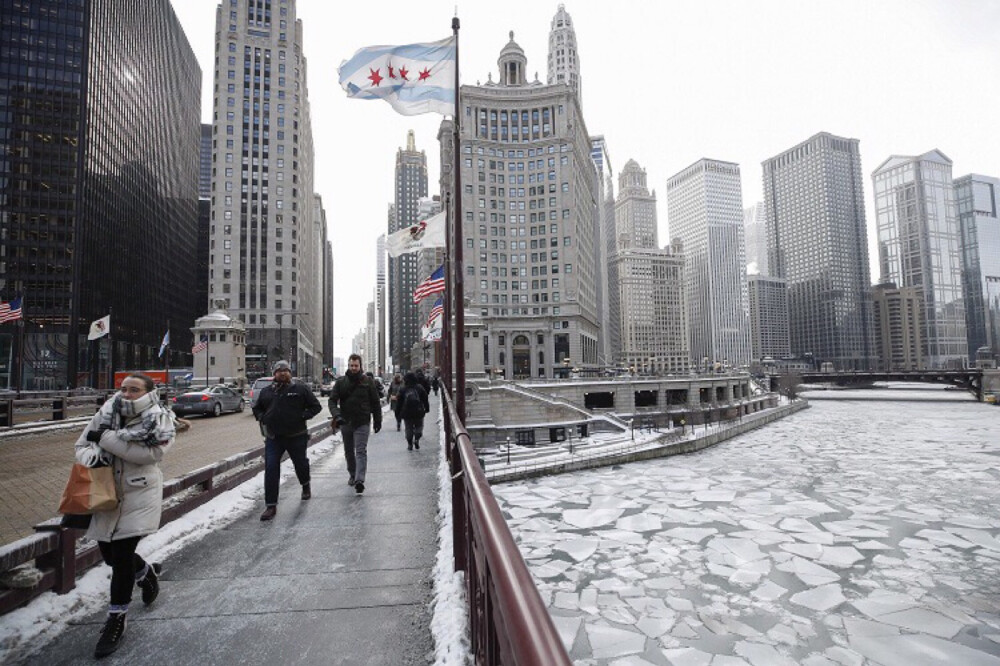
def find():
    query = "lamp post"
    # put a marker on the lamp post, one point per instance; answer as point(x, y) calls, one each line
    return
point(566, 362)
point(508, 451)
point(281, 338)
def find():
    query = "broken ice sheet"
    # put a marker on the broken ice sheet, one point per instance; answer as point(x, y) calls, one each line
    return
point(639, 522)
point(693, 534)
point(611, 642)
point(578, 549)
point(821, 598)
point(768, 591)
point(588, 518)
point(809, 573)
point(715, 495)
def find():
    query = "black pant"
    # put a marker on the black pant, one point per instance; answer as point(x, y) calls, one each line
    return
point(273, 450)
point(125, 564)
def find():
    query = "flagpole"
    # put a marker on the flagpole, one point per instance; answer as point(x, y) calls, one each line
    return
point(207, 349)
point(459, 268)
point(166, 365)
point(445, 360)
point(20, 350)
point(111, 352)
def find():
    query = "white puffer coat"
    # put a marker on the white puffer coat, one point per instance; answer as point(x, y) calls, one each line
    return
point(137, 476)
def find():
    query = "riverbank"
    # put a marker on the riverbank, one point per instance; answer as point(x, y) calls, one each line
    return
point(589, 453)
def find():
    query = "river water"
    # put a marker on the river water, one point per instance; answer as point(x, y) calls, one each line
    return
point(863, 530)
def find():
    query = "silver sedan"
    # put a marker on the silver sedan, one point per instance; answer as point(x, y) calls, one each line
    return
point(213, 400)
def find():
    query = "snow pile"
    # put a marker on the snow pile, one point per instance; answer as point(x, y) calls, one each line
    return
point(450, 621)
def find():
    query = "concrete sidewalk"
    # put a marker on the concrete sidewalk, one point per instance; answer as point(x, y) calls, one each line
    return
point(340, 579)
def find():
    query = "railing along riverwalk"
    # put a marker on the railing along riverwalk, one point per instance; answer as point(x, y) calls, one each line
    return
point(60, 559)
point(508, 621)
point(46, 407)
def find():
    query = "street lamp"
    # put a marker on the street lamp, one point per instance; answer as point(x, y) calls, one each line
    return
point(281, 337)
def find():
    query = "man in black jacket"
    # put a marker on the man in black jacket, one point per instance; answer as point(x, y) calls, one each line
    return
point(354, 409)
point(283, 409)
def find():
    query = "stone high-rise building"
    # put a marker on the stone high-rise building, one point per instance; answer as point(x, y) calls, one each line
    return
point(977, 199)
point(705, 213)
point(528, 198)
point(262, 255)
point(817, 242)
point(919, 244)
point(99, 133)
point(564, 60)
point(652, 319)
point(410, 186)
point(898, 316)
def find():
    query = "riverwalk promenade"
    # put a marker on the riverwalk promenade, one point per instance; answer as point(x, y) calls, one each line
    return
point(339, 579)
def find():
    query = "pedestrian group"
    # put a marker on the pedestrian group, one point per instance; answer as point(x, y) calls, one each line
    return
point(131, 433)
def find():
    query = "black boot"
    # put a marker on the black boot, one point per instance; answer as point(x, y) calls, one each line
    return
point(150, 583)
point(306, 491)
point(111, 635)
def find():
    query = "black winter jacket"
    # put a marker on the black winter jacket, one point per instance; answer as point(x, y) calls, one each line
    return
point(356, 402)
point(285, 408)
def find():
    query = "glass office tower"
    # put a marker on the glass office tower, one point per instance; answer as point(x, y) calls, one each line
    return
point(919, 245)
point(977, 199)
point(98, 182)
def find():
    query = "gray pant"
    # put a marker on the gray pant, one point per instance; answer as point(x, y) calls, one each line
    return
point(414, 429)
point(356, 449)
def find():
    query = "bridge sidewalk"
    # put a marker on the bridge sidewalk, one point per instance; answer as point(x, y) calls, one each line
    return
point(340, 579)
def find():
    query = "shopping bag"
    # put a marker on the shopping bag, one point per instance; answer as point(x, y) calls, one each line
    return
point(88, 490)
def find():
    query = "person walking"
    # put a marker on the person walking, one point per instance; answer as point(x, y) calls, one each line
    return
point(394, 388)
point(411, 405)
point(355, 410)
point(436, 381)
point(131, 432)
point(283, 410)
point(421, 379)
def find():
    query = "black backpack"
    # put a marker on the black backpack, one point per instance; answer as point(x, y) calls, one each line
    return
point(413, 406)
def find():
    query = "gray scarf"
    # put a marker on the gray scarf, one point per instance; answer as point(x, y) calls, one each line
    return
point(140, 420)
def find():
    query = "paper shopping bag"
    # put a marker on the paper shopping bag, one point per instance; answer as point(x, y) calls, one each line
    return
point(88, 490)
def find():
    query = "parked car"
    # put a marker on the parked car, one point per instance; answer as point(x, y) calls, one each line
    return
point(325, 389)
point(214, 400)
point(258, 385)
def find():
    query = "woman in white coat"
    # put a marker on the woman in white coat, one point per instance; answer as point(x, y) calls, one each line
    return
point(131, 432)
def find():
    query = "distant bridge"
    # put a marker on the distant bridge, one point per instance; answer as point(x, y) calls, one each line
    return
point(970, 379)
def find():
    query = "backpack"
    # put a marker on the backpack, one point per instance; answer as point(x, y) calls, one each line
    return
point(413, 406)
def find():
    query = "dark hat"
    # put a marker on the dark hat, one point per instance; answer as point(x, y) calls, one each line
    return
point(281, 365)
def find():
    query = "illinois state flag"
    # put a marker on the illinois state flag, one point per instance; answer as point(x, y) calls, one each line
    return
point(426, 234)
point(99, 328)
point(413, 78)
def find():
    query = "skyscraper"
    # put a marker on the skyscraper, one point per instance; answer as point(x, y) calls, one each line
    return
point(411, 185)
point(898, 327)
point(564, 60)
point(978, 201)
point(261, 250)
point(528, 201)
point(381, 275)
point(768, 317)
point(652, 318)
point(204, 218)
point(919, 244)
point(705, 213)
point(98, 183)
point(604, 233)
point(755, 230)
point(814, 206)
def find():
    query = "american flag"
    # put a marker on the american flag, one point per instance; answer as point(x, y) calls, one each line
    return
point(201, 346)
point(10, 311)
point(436, 312)
point(432, 285)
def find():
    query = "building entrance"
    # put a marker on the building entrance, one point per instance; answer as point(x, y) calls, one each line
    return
point(522, 357)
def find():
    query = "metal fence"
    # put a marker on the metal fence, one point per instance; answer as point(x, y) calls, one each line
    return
point(508, 621)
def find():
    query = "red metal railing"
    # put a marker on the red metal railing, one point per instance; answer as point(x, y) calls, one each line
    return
point(53, 548)
point(508, 622)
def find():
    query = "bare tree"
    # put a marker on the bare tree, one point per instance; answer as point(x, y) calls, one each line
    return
point(788, 384)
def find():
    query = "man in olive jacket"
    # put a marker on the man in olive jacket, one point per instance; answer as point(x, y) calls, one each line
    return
point(283, 409)
point(354, 409)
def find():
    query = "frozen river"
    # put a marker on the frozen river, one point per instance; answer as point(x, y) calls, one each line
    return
point(855, 532)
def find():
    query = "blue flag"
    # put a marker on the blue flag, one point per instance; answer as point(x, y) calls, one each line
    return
point(165, 343)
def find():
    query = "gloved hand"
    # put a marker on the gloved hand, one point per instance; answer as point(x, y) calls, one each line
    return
point(95, 435)
point(95, 456)
point(378, 426)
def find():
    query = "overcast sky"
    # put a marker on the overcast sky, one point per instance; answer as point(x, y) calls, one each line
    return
point(666, 83)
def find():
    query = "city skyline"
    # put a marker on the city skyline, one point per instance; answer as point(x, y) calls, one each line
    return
point(717, 93)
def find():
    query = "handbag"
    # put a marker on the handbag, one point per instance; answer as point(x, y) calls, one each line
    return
point(89, 490)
